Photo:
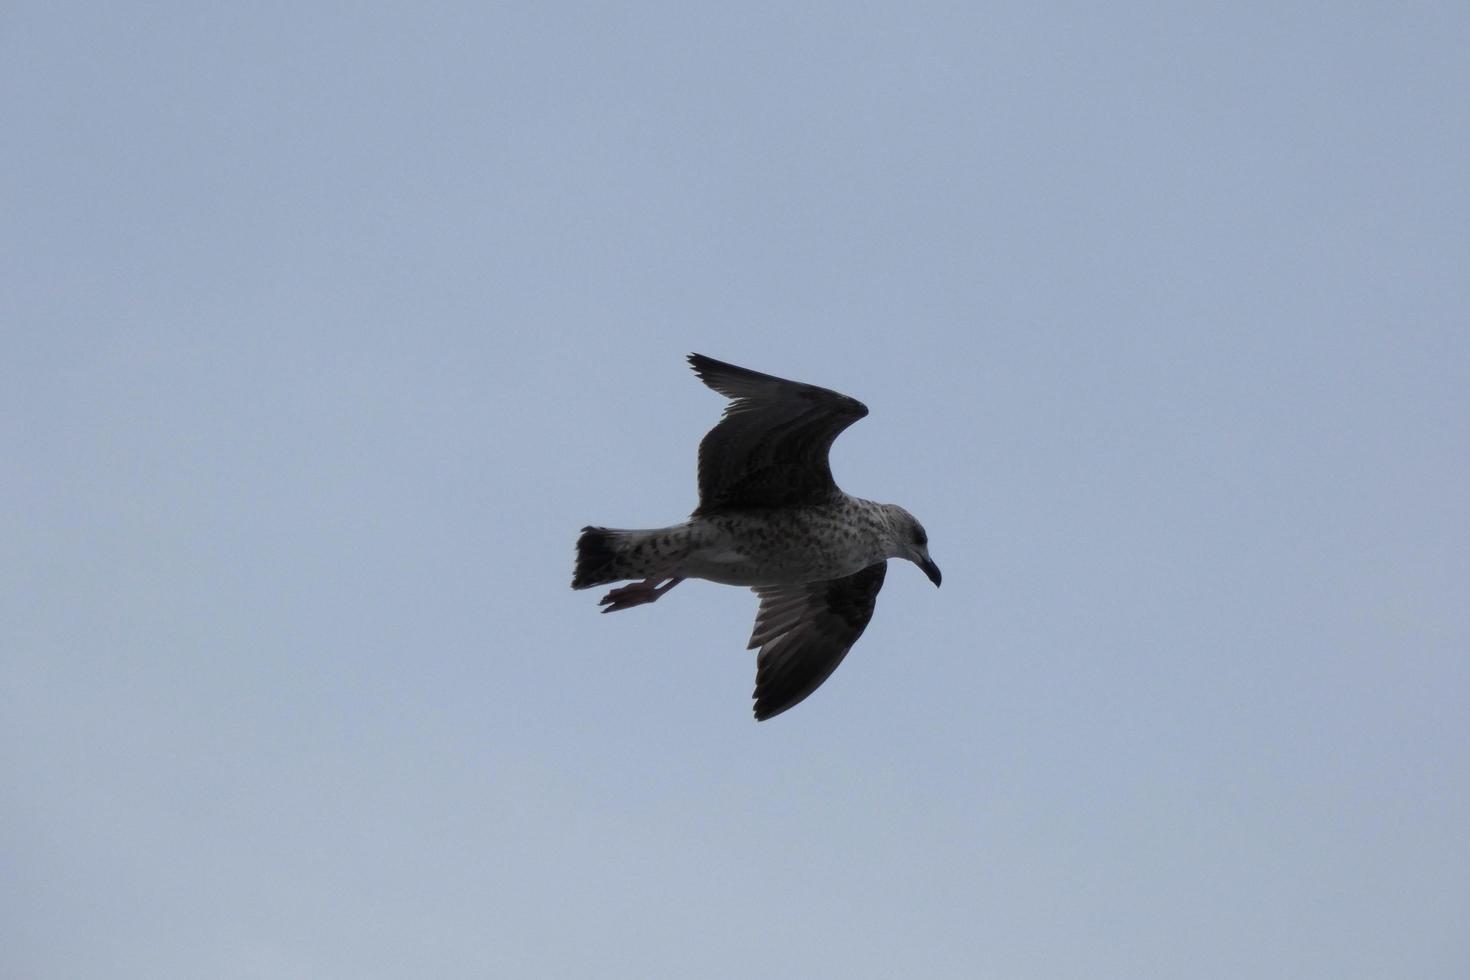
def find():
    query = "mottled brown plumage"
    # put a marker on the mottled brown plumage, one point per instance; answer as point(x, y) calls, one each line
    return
point(770, 517)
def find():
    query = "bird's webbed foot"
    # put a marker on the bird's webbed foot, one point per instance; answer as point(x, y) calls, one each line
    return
point(636, 594)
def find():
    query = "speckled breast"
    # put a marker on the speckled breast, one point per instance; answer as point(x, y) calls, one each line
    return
point(788, 545)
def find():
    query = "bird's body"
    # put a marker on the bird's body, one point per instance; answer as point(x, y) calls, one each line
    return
point(770, 518)
point(785, 546)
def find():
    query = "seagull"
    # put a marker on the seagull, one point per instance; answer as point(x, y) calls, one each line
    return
point(770, 518)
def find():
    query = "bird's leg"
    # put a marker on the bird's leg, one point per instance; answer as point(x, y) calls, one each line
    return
point(636, 594)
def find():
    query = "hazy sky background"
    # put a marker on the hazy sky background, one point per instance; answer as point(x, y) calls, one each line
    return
point(326, 326)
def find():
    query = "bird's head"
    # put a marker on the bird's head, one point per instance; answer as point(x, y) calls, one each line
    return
point(910, 541)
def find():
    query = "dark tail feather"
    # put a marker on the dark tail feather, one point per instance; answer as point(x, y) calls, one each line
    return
point(596, 558)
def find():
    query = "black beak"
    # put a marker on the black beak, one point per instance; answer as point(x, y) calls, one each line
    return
point(931, 570)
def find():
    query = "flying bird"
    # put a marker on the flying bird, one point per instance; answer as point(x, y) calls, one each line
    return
point(770, 517)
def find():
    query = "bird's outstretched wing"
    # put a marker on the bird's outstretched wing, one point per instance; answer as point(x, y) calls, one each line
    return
point(804, 631)
point(770, 449)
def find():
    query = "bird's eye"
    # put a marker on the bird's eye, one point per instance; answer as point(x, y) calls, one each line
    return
point(920, 538)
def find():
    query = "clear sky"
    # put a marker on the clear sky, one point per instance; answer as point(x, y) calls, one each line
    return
point(326, 326)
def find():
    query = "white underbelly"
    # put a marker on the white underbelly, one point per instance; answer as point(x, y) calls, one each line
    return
point(729, 566)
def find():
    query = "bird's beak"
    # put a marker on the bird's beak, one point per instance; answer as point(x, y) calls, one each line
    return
point(931, 570)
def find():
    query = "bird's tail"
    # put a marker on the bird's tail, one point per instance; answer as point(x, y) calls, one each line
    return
point(608, 555)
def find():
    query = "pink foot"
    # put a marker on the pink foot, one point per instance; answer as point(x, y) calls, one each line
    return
point(636, 594)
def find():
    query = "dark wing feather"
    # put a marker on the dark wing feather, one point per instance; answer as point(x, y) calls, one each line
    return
point(770, 449)
point(804, 631)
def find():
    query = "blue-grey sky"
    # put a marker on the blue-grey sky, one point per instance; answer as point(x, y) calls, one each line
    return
point(326, 326)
